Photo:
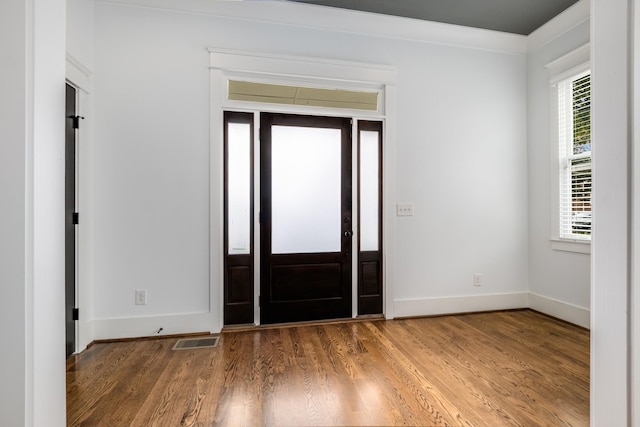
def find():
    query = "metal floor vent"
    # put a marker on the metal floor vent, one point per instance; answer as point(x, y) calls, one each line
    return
point(200, 342)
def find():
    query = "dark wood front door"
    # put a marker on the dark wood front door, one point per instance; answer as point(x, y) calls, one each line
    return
point(305, 215)
point(70, 219)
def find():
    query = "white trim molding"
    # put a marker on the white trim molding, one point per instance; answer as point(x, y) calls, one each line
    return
point(345, 21)
point(564, 67)
point(80, 77)
point(566, 21)
point(460, 304)
point(134, 327)
point(78, 74)
point(478, 303)
point(570, 64)
point(578, 246)
point(561, 310)
point(299, 70)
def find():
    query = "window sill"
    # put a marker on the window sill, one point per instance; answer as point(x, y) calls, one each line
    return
point(578, 246)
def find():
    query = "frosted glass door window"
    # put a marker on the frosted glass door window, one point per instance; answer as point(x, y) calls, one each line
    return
point(369, 190)
point(306, 190)
point(239, 187)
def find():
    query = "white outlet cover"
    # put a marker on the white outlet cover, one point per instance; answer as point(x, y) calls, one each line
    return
point(141, 296)
point(477, 279)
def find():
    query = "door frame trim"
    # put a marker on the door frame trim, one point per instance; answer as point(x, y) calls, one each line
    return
point(79, 77)
point(76, 96)
point(286, 69)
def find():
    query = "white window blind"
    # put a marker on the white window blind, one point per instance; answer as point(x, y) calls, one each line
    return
point(574, 132)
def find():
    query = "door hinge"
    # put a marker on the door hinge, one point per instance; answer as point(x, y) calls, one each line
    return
point(76, 121)
point(76, 218)
point(75, 314)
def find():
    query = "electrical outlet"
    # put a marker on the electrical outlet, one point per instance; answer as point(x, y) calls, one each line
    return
point(404, 209)
point(141, 297)
point(477, 279)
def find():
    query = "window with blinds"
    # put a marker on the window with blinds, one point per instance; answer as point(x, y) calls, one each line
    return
point(574, 119)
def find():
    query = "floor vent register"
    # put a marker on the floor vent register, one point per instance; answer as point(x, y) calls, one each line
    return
point(199, 342)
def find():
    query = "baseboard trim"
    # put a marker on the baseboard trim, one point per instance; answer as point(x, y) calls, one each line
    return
point(561, 310)
point(463, 304)
point(136, 327)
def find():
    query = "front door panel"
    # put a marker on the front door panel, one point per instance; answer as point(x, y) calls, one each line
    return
point(305, 218)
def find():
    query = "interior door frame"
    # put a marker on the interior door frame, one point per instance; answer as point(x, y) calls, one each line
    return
point(80, 78)
point(228, 65)
point(71, 229)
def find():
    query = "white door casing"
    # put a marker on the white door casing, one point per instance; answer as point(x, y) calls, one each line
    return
point(228, 65)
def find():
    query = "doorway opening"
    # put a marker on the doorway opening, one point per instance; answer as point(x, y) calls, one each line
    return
point(309, 232)
point(71, 219)
point(254, 82)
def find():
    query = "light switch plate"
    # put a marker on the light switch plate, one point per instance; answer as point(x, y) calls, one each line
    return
point(404, 209)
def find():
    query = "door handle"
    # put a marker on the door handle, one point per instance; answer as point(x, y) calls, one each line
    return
point(348, 233)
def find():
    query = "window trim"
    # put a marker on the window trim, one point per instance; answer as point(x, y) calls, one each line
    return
point(572, 166)
point(567, 66)
point(568, 245)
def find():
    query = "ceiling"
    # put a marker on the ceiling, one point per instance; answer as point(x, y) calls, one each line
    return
point(511, 16)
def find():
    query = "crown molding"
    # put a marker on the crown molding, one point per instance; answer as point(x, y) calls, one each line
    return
point(566, 21)
point(574, 62)
point(345, 21)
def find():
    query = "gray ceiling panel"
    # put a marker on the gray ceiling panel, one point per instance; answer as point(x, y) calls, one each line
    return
point(511, 16)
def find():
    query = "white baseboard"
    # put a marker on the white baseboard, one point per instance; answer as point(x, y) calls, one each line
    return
point(464, 304)
point(571, 313)
point(133, 327)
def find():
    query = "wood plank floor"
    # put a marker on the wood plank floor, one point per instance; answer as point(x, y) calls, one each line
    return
point(515, 368)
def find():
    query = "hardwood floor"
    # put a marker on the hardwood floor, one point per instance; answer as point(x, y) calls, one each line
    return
point(515, 368)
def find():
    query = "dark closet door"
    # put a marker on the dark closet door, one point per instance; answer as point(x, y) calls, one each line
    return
point(305, 209)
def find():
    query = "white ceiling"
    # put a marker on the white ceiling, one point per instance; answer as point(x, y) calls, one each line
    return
point(511, 16)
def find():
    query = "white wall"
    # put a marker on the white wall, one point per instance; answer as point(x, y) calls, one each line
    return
point(32, 194)
point(47, 205)
point(80, 40)
point(460, 158)
point(151, 169)
point(635, 209)
point(559, 281)
point(610, 350)
point(79, 73)
point(13, 221)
